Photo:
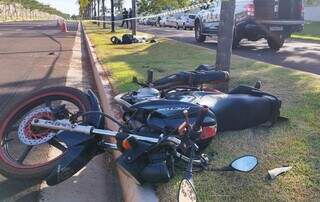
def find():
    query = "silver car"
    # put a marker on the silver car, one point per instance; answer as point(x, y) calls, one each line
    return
point(169, 21)
point(186, 21)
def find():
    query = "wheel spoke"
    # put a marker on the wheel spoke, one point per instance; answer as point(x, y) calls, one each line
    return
point(24, 154)
point(6, 140)
point(54, 142)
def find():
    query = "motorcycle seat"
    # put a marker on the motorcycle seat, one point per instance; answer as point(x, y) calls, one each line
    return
point(241, 111)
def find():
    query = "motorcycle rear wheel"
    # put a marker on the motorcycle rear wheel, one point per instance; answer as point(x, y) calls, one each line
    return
point(21, 165)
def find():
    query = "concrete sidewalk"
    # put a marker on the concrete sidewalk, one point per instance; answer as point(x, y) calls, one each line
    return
point(33, 55)
point(97, 182)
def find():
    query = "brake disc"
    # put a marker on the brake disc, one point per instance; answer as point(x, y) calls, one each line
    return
point(31, 135)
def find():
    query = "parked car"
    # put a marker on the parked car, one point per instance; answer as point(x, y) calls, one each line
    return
point(186, 21)
point(163, 21)
point(141, 21)
point(152, 21)
point(274, 20)
point(169, 21)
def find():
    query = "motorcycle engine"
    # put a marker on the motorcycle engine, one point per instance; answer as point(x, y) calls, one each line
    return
point(144, 94)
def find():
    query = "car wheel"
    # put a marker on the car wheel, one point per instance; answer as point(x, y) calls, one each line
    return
point(184, 27)
point(276, 42)
point(199, 37)
point(236, 42)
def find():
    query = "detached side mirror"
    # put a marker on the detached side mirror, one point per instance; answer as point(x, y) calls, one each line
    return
point(187, 192)
point(245, 163)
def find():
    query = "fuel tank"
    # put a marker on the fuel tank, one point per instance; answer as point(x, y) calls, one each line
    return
point(165, 117)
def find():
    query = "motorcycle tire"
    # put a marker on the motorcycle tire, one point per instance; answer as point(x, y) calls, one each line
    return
point(10, 166)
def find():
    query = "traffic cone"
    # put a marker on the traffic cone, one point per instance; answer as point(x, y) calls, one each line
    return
point(64, 27)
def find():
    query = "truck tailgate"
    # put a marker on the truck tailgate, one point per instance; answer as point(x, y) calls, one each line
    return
point(280, 22)
point(278, 9)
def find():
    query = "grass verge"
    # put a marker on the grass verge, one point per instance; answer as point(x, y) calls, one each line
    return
point(311, 32)
point(296, 143)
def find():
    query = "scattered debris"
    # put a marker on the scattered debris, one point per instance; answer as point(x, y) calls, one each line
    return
point(278, 171)
point(129, 39)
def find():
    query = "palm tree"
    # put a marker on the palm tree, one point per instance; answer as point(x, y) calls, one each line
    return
point(118, 4)
point(104, 14)
point(98, 2)
point(83, 4)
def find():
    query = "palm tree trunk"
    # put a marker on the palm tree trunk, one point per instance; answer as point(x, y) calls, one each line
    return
point(98, 12)
point(104, 14)
point(95, 9)
point(112, 16)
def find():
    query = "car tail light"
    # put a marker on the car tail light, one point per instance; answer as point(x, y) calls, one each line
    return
point(301, 9)
point(250, 9)
point(208, 132)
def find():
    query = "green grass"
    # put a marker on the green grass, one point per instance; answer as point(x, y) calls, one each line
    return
point(296, 143)
point(311, 32)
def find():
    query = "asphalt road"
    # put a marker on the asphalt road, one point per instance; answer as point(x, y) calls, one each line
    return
point(295, 54)
point(33, 55)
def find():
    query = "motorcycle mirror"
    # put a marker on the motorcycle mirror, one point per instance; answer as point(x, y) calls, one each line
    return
point(187, 192)
point(244, 164)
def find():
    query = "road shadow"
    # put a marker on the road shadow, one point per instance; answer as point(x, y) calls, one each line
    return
point(296, 54)
point(11, 92)
point(18, 190)
point(95, 187)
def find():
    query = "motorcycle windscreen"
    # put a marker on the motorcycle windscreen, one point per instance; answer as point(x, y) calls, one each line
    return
point(75, 158)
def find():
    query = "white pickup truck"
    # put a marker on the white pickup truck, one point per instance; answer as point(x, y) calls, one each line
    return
point(274, 20)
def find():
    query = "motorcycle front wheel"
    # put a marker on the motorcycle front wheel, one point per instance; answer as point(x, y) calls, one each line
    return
point(27, 152)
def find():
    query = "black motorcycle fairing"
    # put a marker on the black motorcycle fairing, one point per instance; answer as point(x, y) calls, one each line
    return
point(166, 116)
point(81, 148)
point(160, 122)
point(149, 163)
point(96, 120)
point(73, 160)
point(166, 108)
point(163, 104)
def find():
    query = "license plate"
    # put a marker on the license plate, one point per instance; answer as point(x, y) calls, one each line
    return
point(278, 28)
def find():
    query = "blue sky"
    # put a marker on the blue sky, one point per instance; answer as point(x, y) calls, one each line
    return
point(71, 6)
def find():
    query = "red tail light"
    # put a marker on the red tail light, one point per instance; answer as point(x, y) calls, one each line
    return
point(208, 132)
point(301, 9)
point(250, 9)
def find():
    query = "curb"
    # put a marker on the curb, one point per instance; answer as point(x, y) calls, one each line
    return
point(131, 191)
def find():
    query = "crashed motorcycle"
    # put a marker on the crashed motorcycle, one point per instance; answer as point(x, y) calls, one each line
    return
point(72, 123)
point(152, 108)
point(55, 132)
